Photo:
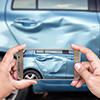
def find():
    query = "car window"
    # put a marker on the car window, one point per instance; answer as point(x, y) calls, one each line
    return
point(24, 4)
point(49, 51)
point(54, 51)
point(51, 4)
point(63, 4)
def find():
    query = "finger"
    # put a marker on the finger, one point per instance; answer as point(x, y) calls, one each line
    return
point(10, 53)
point(88, 66)
point(12, 66)
point(74, 82)
point(83, 72)
point(79, 84)
point(15, 70)
point(15, 75)
point(89, 54)
point(15, 65)
point(23, 83)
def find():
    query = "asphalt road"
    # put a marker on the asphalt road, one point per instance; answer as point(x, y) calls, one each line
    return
point(64, 96)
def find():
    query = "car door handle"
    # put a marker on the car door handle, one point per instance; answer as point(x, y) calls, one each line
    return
point(71, 58)
point(41, 58)
point(25, 23)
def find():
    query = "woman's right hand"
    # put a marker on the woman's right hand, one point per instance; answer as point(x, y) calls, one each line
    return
point(89, 71)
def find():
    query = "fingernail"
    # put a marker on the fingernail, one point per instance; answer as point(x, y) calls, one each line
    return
point(73, 45)
point(77, 66)
point(35, 81)
point(74, 83)
point(23, 45)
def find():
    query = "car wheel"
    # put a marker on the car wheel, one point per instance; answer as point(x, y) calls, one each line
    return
point(18, 95)
point(1, 56)
point(32, 74)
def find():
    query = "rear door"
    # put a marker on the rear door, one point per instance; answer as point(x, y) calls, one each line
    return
point(54, 23)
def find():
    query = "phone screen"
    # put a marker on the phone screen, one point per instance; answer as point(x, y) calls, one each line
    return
point(48, 64)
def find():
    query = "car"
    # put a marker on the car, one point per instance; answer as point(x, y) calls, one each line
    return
point(49, 24)
point(60, 63)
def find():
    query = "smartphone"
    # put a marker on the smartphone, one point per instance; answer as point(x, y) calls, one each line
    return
point(50, 64)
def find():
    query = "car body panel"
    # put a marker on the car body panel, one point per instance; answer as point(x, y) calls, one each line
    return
point(7, 41)
point(64, 26)
point(47, 86)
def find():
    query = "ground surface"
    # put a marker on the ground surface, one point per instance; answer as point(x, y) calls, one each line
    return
point(64, 96)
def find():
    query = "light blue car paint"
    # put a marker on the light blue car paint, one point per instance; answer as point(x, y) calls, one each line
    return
point(49, 29)
point(7, 41)
point(29, 62)
point(43, 86)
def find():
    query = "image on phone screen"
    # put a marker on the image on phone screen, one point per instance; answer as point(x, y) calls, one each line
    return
point(49, 64)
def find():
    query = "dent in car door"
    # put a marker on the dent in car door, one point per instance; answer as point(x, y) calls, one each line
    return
point(52, 27)
point(52, 66)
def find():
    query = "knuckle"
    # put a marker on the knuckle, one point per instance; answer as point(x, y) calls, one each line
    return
point(89, 51)
point(8, 52)
point(82, 70)
point(15, 87)
point(90, 80)
point(83, 62)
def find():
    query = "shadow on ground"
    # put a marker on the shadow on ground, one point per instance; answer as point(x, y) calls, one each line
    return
point(63, 96)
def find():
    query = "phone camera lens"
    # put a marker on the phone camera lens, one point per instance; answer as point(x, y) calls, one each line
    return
point(18, 56)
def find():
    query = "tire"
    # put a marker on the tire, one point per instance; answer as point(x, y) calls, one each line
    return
point(1, 56)
point(18, 95)
point(32, 74)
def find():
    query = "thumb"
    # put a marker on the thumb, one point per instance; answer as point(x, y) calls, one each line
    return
point(23, 84)
point(83, 72)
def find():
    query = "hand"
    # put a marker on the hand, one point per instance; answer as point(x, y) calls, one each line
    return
point(8, 73)
point(89, 71)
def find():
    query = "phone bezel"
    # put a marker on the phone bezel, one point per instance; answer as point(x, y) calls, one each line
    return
point(20, 63)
